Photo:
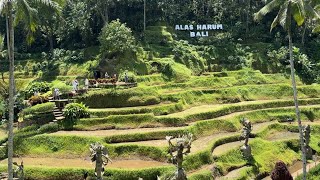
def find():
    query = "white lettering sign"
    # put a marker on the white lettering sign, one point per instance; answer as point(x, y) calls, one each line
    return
point(199, 30)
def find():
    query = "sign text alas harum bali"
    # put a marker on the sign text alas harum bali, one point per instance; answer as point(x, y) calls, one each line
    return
point(200, 30)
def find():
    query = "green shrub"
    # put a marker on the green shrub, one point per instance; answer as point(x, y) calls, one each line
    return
point(39, 114)
point(162, 109)
point(195, 161)
point(34, 100)
point(49, 128)
point(3, 152)
point(207, 175)
point(40, 108)
point(116, 38)
point(39, 118)
point(158, 35)
point(63, 87)
point(131, 77)
point(187, 55)
point(40, 87)
point(72, 113)
point(118, 119)
point(176, 72)
point(120, 98)
point(46, 173)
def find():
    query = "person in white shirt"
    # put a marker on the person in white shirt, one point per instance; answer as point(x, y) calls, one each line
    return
point(86, 83)
point(75, 85)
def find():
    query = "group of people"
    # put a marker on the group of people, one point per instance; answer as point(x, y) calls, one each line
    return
point(106, 75)
point(75, 84)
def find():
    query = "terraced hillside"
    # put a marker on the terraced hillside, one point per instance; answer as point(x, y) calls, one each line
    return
point(132, 124)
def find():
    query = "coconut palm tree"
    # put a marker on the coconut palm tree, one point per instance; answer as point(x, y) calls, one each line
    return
point(288, 10)
point(1, 53)
point(15, 11)
point(144, 15)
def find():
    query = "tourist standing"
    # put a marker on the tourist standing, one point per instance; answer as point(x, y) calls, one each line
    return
point(126, 77)
point(106, 75)
point(56, 94)
point(75, 85)
point(86, 83)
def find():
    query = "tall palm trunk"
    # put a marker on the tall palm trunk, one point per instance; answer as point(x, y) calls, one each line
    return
point(295, 96)
point(10, 44)
point(247, 17)
point(144, 15)
point(304, 34)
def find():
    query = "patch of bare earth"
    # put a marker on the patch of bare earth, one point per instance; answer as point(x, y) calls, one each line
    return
point(283, 135)
point(199, 144)
point(232, 174)
point(86, 163)
point(227, 147)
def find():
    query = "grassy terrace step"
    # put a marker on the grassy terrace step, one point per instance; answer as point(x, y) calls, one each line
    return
point(279, 135)
point(158, 109)
point(196, 160)
point(60, 144)
point(224, 82)
point(197, 145)
point(179, 119)
point(218, 80)
point(230, 123)
point(281, 90)
point(60, 173)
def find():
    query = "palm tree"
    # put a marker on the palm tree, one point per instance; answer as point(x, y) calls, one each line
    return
point(144, 15)
point(1, 53)
point(27, 14)
point(299, 10)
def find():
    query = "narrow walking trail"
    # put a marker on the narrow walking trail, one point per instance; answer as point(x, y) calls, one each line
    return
point(86, 163)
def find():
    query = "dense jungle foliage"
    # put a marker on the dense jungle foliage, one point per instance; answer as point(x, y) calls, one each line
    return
point(109, 35)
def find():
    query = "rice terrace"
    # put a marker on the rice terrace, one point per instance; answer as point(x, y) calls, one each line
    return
point(159, 90)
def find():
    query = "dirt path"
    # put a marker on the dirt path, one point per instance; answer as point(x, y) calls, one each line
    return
point(154, 143)
point(196, 109)
point(86, 163)
point(205, 167)
point(105, 133)
point(200, 143)
point(226, 147)
point(197, 145)
point(232, 174)
point(257, 127)
point(283, 135)
point(296, 172)
point(204, 142)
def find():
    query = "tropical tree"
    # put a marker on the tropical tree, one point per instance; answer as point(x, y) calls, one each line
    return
point(22, 11)
point(2, 56)
point(49, 21)
point(102, 8)
point(144, 15)
point(299, 10)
